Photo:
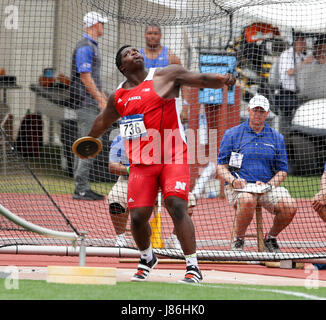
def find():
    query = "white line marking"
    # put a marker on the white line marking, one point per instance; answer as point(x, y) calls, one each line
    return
point(285, 292)
point(236, 287)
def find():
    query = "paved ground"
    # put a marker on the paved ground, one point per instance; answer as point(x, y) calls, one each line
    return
point(166, 275)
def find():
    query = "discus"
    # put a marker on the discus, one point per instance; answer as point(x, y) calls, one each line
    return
point(87, 147)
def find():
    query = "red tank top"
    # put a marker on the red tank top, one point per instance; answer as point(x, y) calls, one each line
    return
point(165, 139)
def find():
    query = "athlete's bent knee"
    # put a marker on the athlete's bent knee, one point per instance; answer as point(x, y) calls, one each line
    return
point(177, 207)
point(116, 208)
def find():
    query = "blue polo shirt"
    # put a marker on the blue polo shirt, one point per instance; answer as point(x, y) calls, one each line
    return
point(84, 56)
point(264, 153)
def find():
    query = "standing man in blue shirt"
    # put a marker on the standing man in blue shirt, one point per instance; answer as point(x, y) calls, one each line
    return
point(87, 96)
point(253, 152)
point(158, 56)
point(155, 55)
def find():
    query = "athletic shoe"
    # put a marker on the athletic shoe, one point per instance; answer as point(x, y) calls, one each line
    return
point(87, 195)
point(238, 244)
point(172, 243)
point(144, 269)
point(193, 275)
point(271, 245)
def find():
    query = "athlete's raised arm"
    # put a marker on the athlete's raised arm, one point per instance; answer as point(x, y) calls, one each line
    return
point(167, 81)
point(182, 76)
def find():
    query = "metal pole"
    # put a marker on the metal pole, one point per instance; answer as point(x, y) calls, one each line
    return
point(35, 228)
point(82, 249)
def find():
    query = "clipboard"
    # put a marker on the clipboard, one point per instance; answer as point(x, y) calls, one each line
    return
point(255, 188)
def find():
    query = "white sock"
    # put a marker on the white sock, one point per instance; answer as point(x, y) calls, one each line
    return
point(147, 254)
point(174, 236)
point(191, 260)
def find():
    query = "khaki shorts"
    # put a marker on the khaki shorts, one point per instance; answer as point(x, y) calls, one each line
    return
point(267, 200)
point(118, 194)
point(191, 200)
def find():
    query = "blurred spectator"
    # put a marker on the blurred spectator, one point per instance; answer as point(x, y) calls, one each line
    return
point(117, 197)
point(319, 200)
point(312, 77)
point(155, 55)
point(319, 205)
point(291, 61)
point(158, 56)
point(87, 96)
point(208, 173)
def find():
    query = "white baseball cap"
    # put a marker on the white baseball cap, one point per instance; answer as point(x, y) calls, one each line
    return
point(92, 18)
point(259, 101)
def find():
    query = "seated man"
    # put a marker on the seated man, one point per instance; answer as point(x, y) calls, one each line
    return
point(319, 200)
point(208, 173)
point(117, 198)
point(319, 205)
point(253, 152)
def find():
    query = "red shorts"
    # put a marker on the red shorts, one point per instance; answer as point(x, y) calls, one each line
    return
point(145, 181)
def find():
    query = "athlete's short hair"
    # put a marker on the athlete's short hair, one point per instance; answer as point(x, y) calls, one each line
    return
point(118, 56)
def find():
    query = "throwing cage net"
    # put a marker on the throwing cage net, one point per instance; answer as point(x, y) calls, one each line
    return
point(251, 39)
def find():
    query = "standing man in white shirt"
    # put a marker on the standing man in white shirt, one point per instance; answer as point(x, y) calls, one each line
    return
point(290, 63)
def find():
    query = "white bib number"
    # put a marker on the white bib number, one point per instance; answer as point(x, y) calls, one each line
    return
point(236, 160)
point(132, 127)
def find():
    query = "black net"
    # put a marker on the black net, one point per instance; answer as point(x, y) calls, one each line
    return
point(275, 48)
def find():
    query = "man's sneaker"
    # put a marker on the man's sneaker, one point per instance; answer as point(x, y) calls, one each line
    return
point(193, 275)
point(271, 245)
point(172, 242)
point(238, 244)
point(144, 269)
point(87, 195)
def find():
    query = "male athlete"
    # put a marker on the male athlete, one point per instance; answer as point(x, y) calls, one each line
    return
point(156, 148)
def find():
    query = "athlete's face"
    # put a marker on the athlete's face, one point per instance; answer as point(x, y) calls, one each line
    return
point(153, 36)
point(131, 57)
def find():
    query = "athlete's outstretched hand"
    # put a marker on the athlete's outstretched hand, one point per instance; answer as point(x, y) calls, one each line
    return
point(230, 80)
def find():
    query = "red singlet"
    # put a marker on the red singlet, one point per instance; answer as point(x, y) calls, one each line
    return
point(159, 158)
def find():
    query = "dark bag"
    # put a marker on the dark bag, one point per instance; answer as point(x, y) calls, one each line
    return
point(30, 136)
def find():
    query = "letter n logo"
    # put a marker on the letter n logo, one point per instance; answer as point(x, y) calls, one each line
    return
point(180, 186)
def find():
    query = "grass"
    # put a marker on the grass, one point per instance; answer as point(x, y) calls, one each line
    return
point(302, 187)
point(54, 184)
point(299, 187)
point(48, 171)
point(41, 290)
